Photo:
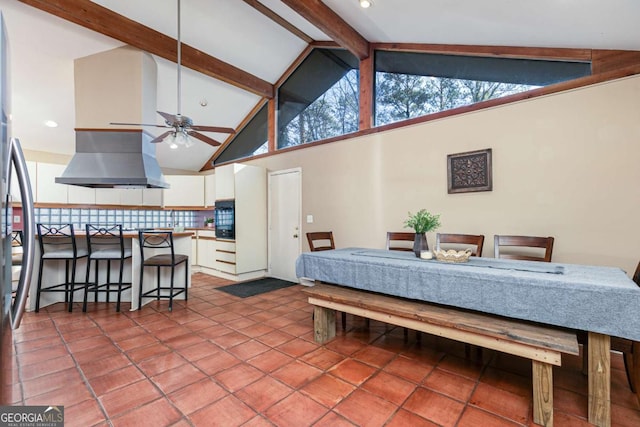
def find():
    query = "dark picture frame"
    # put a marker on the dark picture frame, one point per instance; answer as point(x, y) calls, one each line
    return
point(469, 172)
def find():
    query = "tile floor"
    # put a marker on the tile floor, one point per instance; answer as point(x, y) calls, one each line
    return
point(223, 360)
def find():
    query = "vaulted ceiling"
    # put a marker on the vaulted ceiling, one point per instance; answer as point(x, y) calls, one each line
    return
point(235, 51)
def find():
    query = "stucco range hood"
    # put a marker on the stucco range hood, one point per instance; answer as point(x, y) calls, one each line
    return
point(113, 159)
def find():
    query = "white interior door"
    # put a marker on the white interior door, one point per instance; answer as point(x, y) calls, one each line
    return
point(285, 222)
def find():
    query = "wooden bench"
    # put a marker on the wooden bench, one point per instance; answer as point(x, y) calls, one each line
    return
point(543, 345)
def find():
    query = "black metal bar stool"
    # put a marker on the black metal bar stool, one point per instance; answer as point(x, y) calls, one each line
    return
point(58, 243)
point(163, 241)
point(106, 243)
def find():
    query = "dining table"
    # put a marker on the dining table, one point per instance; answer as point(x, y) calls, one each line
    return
point(601, 300)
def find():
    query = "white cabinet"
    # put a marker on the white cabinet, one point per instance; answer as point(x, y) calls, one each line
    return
point(209, 190)
point(185, 190)
point(81, 195)
point(47, 190)
point(206, 248)
point(225, 181)
point(152, 197)
point(247, 185)
point(107, 196)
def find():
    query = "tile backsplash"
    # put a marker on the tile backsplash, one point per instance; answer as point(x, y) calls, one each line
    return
point(130, 219)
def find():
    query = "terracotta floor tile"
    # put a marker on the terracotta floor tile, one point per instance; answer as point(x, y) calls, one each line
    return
point(177, 378)
point(389, 387)
point(185, 340)
point(452, 385)
point(115, 379)
point(248, 349)
point(264, 393)
point(323, 358)
point(434, 407)
point(229, 411)
point(96, 368)
point(238, 376)
point(509, 381)
point(270, 360)
point(363, 408)
point(374, 356)
point(132, 343)
point(54, 381)
point(345, 346)
point(229, 340)
point(501, 402)
point(197, 395)
point(333, 420)
point(404, 418)
point(86, 413)
point(129, 397)
point(216, 362)
point(352, 371)
point(473, 417)
point(198, 351)
point(47, 367)
point(157, 413)
point(275, 338)
point(296, 374)
point(470, 368)
point(96, 353)
point(328, 390)
point(258, 421)
point(408, 369)
point(297, 347)
point(256, 330)
point(65, 396)
point(140, 354)
point(570, 402)
point(162, 363)
point(42, 355)
point(295, 410)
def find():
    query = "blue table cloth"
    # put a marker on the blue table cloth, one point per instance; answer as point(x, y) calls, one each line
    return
point(591, 298)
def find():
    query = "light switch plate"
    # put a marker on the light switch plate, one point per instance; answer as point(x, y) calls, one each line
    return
point(309, 219)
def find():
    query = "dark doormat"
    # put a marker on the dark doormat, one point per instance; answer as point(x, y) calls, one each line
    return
point(255, 287)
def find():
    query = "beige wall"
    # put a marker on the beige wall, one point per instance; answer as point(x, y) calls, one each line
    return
point(564, 165)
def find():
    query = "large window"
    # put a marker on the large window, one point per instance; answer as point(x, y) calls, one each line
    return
point(320, 99)
point(416, 84)
point(251, 140)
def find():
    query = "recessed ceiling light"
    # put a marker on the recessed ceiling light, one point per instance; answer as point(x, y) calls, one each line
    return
point(51, 124)
point(365, 3)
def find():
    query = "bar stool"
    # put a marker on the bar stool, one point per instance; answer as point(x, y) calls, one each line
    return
point(58, 243)
point(163, 241)
point(105, 243)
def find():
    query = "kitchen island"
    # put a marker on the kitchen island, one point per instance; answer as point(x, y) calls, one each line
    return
point(54, 272)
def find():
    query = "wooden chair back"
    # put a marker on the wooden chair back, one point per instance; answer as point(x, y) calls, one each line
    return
point(474, 240)
point(523, 242)
point(321, 241)
point(393, 239)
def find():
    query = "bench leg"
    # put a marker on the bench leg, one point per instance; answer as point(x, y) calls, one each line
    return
point(542, 393)
point(635, 368)
point(324, 324)
point(599, 379)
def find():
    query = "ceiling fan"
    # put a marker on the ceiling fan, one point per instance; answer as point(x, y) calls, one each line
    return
point(182, 127)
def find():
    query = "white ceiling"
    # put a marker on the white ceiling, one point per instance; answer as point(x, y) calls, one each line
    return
point(43, 48)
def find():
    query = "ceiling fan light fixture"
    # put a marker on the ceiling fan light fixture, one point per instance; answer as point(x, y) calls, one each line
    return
point(365, 4)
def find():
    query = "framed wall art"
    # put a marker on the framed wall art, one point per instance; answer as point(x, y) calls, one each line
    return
point(469, 172)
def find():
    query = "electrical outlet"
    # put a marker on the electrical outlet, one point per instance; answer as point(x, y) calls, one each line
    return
point(309, 219)
point(16, 218)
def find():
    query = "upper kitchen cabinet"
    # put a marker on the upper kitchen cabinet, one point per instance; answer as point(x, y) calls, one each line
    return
point(209, 190)
point(15, 186)
point(47, 190)
point(225, 181)
point(184, 191)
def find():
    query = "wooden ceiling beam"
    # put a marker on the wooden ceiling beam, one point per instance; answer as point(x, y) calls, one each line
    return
point(279, 20)
point(105, 21)
point(332, 25)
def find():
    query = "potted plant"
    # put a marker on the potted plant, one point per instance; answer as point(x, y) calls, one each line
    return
point(422, 222)
point(208, 222)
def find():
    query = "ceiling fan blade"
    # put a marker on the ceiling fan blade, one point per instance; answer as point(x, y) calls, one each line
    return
point(168, 117)
point(213, 129)
point(138, 124)
point(203, 138)
point(161, 137)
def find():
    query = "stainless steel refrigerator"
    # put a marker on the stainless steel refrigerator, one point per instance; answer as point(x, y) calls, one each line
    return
point(12, 166)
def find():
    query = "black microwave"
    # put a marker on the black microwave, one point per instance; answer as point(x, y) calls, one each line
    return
point(224, 219)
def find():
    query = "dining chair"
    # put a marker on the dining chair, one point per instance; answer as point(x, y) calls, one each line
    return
point(321, 241)
point(152, 242)
point(106, 243)
point(397, 241)
point(16, 247)
point(526, 247)
point(457, 240)
point(58, 243)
